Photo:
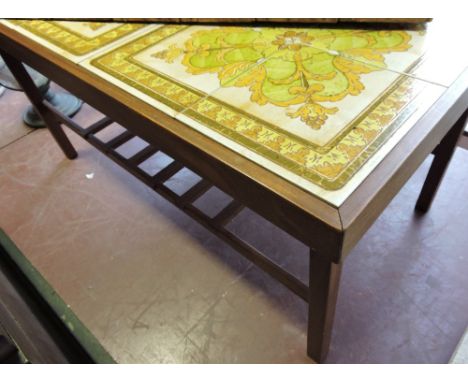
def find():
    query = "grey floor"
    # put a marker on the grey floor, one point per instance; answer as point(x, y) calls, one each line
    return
point(154, 286)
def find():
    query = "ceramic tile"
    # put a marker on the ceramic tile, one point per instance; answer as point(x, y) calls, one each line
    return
point(174, 67)
point(396, 50)
point(329, 160)
point(77, 40)
point(444, 59)
point(428, 52)
point(119, 67)
point(308, 93)
point(203, 58)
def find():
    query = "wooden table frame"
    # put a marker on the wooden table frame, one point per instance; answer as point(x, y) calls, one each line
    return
point(330, 232)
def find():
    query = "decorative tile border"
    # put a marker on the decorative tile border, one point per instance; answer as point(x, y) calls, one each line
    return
point(71, 42)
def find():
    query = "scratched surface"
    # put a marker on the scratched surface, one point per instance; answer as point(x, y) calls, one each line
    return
point(153, 286)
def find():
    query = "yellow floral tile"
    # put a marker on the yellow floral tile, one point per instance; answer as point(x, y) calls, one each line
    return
point(202, 66)
point(332, 173)
point(316, 110)
point(392, 49)
point(76, 40)
point(319, 119)
point(120, 67)
point(438, 58)
point(296, 70)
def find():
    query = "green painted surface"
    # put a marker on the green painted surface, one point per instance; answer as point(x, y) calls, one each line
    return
point(76, 327)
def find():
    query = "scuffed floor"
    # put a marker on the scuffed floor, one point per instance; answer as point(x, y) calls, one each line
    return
point(154, 286)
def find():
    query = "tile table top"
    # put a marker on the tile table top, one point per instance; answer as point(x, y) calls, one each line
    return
point(319, 107)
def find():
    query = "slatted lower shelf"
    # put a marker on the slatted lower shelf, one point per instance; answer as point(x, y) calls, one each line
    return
point(216, 224)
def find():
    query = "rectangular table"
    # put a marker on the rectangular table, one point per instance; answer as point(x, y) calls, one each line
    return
point(315, 129)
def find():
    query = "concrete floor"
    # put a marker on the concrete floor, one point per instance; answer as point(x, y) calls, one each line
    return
point(154, 286)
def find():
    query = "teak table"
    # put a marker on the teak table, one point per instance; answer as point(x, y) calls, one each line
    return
point(314, 129)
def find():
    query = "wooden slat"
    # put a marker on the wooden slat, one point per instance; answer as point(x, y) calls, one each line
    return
point(195, 192)
point(98, 126)
point(62, 118)
point(143, 155)
point(228, 213)
point(120, 139)
point(167, 172)
point(245, 249)
point(250, 253)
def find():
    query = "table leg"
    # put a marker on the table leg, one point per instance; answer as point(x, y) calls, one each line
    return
point(36, 99)
point(324, 279)
point(442, 156)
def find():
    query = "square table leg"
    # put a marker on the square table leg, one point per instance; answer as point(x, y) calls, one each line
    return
point(32, 92)
point(324, 279)
point(442, 155)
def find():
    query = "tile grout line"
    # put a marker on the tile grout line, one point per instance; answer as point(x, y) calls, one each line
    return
point(337, 53)
point(101, 51)
point(332, 52)
point(209, 94)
